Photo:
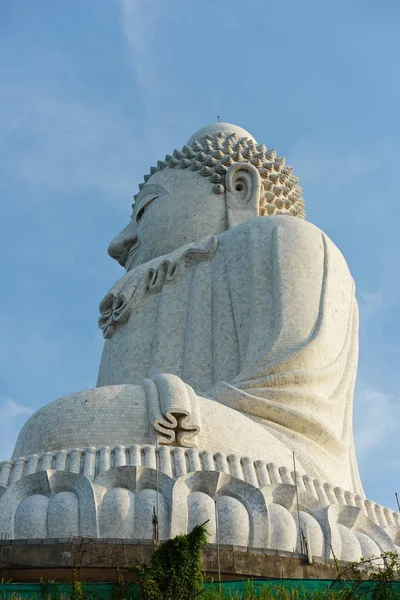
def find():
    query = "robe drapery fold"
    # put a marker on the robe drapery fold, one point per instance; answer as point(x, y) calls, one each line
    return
point(266, 324)
point(173, 412)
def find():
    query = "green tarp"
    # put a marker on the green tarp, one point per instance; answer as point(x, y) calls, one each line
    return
point(296, 588)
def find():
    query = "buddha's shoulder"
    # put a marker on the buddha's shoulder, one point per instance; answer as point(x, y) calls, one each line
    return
point(268, 226)
point(293, 233)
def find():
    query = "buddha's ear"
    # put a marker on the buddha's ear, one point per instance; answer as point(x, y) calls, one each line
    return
point(242, 189)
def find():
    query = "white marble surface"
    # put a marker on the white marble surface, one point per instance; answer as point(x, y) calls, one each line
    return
point(232, 339)
point(119, 503)
point(267, 326)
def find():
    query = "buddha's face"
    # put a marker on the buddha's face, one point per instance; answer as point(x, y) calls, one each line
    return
point(175, 207)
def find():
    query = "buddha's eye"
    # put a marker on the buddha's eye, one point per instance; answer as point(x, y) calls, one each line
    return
point(144, 208)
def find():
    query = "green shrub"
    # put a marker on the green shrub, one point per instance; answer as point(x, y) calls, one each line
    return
point(174, 571)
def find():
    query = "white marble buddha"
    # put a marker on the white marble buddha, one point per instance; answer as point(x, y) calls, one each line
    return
point(234, 328)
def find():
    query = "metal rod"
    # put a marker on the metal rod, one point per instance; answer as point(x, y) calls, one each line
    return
point(308, 545)
point(217, 539)
point(297, 501)
point(157, 497)
point(397, 500)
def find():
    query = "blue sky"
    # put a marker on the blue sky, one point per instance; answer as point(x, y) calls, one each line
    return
point(93, 93)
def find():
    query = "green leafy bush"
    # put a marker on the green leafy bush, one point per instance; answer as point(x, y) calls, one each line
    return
point(174, 571)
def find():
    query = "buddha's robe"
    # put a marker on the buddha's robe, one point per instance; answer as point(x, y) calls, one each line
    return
point(262, 319)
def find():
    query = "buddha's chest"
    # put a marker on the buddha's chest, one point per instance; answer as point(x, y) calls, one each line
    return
point(187, 329)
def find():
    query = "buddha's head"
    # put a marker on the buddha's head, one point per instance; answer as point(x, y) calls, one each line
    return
point(219, 179)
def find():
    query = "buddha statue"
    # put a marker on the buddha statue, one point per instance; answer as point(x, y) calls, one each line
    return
point(230, 350)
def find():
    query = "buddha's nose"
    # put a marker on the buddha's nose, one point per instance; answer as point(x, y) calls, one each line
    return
point(120, 246)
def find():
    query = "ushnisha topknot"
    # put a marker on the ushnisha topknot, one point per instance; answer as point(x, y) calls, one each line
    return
point(213, 154)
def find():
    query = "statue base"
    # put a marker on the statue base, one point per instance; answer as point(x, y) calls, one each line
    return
point(115, 492)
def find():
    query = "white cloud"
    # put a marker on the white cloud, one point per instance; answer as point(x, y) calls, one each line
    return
point(394, 463)
point(36, 351)
point(138, 26)
point(322, 164)
point(370, 303)
point(55, 143)
point(12, 417)
point(377, 420)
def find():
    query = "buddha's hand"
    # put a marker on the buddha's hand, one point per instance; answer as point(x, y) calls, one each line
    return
point(173, 410)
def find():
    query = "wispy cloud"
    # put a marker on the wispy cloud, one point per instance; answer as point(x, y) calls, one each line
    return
point(370, 304)
point(394, 463)
point(34, 353)
point(323, 164)
point(52, 142)
point(13, 415)
point(138, 26)
point(377, 420)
